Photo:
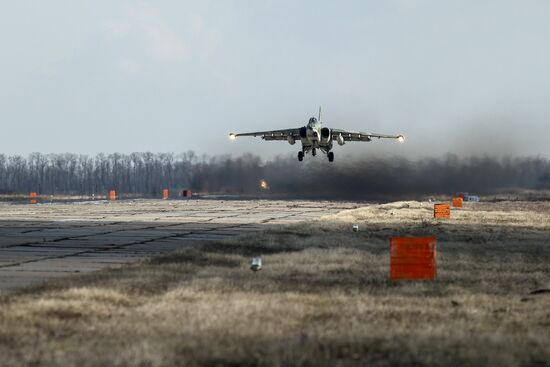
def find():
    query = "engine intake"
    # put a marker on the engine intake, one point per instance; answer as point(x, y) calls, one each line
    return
point(325, 135)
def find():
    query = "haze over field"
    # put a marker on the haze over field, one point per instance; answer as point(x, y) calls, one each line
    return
point(91, 76)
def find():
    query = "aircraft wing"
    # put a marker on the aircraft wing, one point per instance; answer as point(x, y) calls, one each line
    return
point(272, 134)
point(362, 136)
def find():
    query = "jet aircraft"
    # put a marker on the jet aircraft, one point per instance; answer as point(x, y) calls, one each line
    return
point(314, 136)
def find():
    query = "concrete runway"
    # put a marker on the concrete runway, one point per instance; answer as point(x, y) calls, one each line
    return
point(42, 241)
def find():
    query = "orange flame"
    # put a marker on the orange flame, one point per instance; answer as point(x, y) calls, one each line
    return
point(264, 185)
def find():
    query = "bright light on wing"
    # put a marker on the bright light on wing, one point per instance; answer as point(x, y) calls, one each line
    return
point(401, 138)
point(232, 136)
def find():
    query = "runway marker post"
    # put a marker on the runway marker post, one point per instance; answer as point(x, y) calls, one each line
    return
point(32, 196)
point(442, 211)
point(413, 258)
point(112, 195)
point(457, 202)
point(165, 194)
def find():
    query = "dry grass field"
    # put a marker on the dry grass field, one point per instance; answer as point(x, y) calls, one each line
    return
point(323, 298)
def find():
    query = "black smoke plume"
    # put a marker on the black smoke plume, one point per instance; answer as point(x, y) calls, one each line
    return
point(376, 178)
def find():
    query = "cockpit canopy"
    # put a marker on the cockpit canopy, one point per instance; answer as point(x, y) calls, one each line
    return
point(312, 121)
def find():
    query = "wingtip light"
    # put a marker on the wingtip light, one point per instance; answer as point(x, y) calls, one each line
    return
point(232, 136)
point(401, 138)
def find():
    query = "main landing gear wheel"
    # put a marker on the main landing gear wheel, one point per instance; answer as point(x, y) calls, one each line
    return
point(300, 156)
point(330, 156)
point(313, 152)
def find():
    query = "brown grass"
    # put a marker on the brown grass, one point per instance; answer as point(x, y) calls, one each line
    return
point(323, 298)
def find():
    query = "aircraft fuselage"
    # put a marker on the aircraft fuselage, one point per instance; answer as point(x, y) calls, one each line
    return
point(312, 137)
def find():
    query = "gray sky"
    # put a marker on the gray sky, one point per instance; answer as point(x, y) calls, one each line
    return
point(105, 76)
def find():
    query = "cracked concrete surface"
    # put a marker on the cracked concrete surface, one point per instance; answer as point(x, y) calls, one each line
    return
point(42, 241)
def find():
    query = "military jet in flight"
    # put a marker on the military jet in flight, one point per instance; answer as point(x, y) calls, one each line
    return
point(315, 137)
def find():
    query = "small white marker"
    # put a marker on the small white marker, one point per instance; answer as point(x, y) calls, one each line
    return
point(355, 227)
point(256, 264)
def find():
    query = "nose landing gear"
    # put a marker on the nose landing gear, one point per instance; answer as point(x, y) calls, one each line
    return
point(330, 156)
point(300, 156)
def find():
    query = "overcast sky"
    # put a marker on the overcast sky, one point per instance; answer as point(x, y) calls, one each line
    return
point(106, 76)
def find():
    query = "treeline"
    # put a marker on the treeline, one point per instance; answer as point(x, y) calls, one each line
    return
point(372, 177)
point(136, 173)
